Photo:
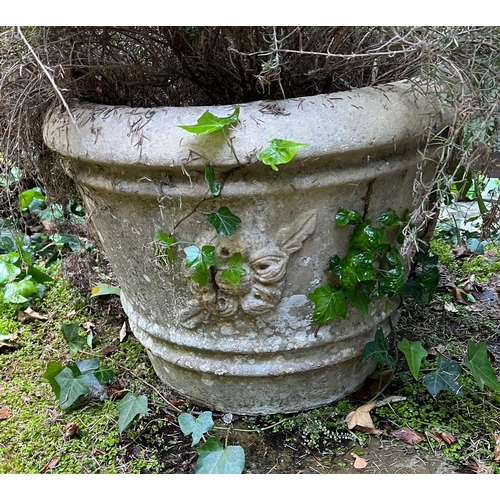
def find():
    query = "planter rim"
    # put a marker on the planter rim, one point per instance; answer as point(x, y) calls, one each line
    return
point(335, 124)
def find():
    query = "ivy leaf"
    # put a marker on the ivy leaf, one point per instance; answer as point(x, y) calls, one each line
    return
point(345, 217)
point(389, 218)
point(213, 458)
point(104, 289)
point(53, 369)
point(104, 374)
point(359, 299)
point(334, 265)
point(8, 271)
point(129, 407)
point(414, 354)
point(416, 291)
point(215, 189)
point(208, 123)
point(202, 260)
point(445, 378)
point(19, 292)
point(195, 426)
point(391, 282)
point(234, 271)
point(429, 277)
point(378, 350)
point(356, 267)
point(279, 152)
point(368, 239)
point(329, 304)
point(224, 221)
point(38, 275)
point(72, 386)
point(164, 243)
point(27, 197)
point(478, 363)
point(75, 341)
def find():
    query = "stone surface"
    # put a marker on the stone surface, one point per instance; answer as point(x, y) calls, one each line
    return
point(250, 348)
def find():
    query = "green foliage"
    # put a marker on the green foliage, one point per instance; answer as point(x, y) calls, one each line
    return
point(201, 260)
point(72, 385)
point(414, 354)
point(478, 363)
point(213, 456)
point(371, 270)
point(209, 123)
point(129, 407)
point(445, 378)
point(234, 270)
point(75, 341)
point(279, 152)
point(104, 289)
point(329, 303)
point(224, 221)
point(163, 248)
point(196, 426)
point(215, 189)
point(378, 350)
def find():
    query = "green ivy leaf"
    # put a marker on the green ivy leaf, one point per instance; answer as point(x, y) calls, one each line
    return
point(356, 267)
point(414, 354)
point(104, 289)
point(27, 197)
point(164, 243)
point(329, 304)
point(445, 378)
point(195, 426)
point(72, 386)
point(345, 217)
point(391, 282)
point(280, 152)
point(38, 275)
point(19, 292)
point(378, 350)
point(416, 291)
point(389, 218)
point(215, 189)
point(208, 123)
point(8, 271)
point(75, 341)
point(478, 363)
point(129, 407)
point(213, 458)
point(366, 238)
point(224, 221)
point(53, 369)
point(359, 299)
point(202, 260)
point(234, 270)
point(429, 277)
point(104, 374)
point(334, 265)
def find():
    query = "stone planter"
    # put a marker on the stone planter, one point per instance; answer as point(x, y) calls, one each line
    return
point(250, 348)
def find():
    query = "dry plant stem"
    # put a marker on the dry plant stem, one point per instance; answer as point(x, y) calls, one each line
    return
point(44, 69)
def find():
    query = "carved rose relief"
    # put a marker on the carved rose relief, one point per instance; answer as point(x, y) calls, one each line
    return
point(265, 262)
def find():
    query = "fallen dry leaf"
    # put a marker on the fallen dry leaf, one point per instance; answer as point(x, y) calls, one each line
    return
point(496, 452)
point(479, 468)
point(448, 438)
point(448, 306)
point(51, 464)
point(359, 462)
point(361, 418)
point(25, 399)
point(88, 325)
point(109, 350)
point(5, 413)
point(409, 436)
point(71, 430)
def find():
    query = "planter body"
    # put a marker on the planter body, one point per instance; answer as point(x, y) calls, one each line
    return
point(250, 348)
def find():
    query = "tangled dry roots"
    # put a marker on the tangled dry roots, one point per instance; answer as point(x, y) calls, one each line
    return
point(204, 65)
